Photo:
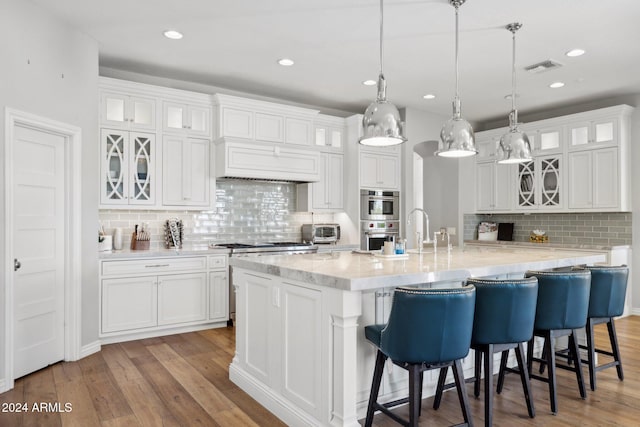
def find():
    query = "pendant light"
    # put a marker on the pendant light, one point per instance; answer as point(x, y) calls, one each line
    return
point(456, 137)
point(381, 124)
point(514, 145)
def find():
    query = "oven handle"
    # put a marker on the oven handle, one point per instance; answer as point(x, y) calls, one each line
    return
point(384, 233)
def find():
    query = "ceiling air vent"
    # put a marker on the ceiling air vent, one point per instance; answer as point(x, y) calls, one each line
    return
point(543, 66)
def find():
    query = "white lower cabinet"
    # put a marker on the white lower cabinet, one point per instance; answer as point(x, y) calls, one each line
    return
point(150, 295)
point(182, 298)
point(129, 303)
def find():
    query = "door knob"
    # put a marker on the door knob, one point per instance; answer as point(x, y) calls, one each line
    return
point(16, 264)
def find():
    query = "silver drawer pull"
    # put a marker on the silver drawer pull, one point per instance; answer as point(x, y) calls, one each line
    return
point(156, 265)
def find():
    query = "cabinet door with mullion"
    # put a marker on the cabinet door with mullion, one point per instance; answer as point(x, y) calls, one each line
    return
point(142, 178)
point(114, 180)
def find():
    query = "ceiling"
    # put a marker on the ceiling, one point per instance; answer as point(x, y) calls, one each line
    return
point(335, 46)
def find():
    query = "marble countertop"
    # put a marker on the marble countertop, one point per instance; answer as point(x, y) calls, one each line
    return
point(362, 272)
point(544, 245)
point(162, 252)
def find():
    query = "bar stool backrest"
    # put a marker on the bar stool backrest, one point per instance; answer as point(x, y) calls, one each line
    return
point(505, 310)
point(429, 325)
point(563, 299)
point(608, 290)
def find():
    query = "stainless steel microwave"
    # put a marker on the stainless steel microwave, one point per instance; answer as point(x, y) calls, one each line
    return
point(320, 233)
point(377, 205)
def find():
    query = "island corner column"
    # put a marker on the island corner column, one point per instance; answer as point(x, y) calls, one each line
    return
point(345, 308)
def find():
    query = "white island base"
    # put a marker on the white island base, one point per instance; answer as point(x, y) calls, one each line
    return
point(300, 346)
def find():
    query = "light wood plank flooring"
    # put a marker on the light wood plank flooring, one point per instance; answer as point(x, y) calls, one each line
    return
point(182, 380)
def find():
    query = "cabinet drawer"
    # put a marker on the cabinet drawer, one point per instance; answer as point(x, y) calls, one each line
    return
point(217, 261)
point(153, 265)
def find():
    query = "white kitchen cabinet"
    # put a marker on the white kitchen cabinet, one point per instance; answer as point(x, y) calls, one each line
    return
point(147, 296)
point(546, 140)
point(218, 288)
point(185, 171)
point(129, 303)
point(591, 133)
point(540, 184)
point(298, 131)
point(269, 127)
point(186, 119)
point(326, 194)
point(487, 144)
point(182, 298)
point(127, 168)
point(593, 179)
point(379, 169)
point(329, 132)
point(494, 188)
point(129, 112)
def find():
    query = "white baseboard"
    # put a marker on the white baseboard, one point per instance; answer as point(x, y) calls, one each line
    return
point(129, 336)
point(635, 311)
point(271, 400)
point(3, 385)
point(89, 349)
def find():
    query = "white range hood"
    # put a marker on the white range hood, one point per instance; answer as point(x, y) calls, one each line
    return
point(236, 158)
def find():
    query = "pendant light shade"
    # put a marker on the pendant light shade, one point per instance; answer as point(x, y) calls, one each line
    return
point(514, 145)
point(456, 137)
point(381, 124)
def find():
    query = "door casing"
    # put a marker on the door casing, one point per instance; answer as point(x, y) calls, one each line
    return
point(72, 190)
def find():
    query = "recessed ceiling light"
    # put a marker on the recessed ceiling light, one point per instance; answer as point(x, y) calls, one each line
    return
point(173, 34)
point(508, 97)
point(429, 96)
point(285, 62)
point(556, 85)
point(369, 82)
point(575, 52)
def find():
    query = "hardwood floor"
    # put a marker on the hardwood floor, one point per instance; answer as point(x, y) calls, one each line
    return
point(182, 380)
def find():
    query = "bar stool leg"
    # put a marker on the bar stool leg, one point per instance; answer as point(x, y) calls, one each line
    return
point(375, 387)
point(573, 346)
point(530, 355)
point(503, 369)
point(462, 393)
point(420, 393)
point(477, 372)
point(440, 387)
point(414, 393)
point(613, 337)
point(550, 358)
point(591, 354)
point(524, 377)
point(488, 385)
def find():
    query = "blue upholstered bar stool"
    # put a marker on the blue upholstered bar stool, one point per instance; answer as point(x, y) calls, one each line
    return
point(606, 301)
point(503, 320)
point(563, 302)
point(427, 329)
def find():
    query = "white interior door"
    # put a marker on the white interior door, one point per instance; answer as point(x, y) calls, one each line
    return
point(39, 248)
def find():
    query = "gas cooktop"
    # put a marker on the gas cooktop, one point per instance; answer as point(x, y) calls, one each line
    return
point(296, 247)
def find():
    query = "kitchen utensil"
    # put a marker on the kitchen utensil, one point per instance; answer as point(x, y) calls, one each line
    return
point(117, 238)
point(134, 238)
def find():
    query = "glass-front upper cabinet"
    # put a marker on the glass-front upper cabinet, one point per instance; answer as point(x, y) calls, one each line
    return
point(539, 184)
point(127, 168)
point(548, 140)
point(591, 133)
point(187, 119)
point(127, 112)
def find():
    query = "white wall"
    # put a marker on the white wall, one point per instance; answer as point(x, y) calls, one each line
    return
point(440, 175)
point(51, 70)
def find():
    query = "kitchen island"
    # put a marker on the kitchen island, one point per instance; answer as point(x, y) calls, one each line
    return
point(300, 347)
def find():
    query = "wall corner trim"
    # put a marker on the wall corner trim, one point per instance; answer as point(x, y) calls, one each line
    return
point(89, 349)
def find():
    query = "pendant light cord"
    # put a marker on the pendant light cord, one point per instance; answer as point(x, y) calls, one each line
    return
point(381, 37)
point(457, 72)
point(513, 73)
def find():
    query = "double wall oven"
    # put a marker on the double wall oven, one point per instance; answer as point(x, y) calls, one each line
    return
point(259, 249)
point(379, 218)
